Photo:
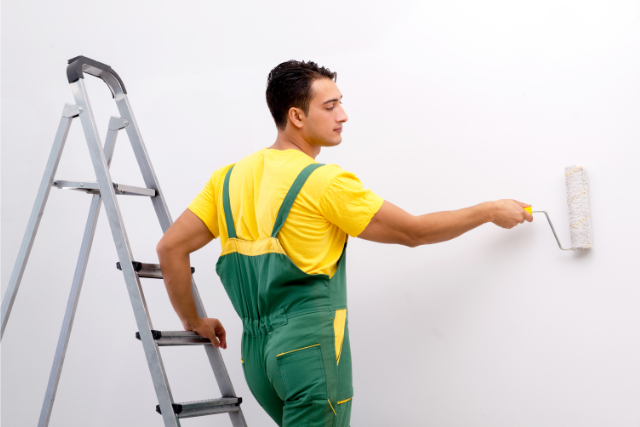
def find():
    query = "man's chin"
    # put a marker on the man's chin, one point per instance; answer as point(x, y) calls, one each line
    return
point(334, 142)
point(329, 142)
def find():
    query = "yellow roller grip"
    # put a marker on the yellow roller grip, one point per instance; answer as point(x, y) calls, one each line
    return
point(528, 209)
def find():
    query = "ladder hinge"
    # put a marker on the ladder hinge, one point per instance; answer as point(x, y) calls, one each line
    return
point(137, 266)
point(177, 408)
point(155, 334)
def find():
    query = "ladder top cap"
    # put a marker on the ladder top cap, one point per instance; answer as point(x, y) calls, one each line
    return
point(81, 64)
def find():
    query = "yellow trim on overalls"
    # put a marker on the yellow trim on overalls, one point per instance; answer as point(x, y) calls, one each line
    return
point(297, 349)
point(252, 247)
point(334, 411)
point(338, 329)
point(344, 401)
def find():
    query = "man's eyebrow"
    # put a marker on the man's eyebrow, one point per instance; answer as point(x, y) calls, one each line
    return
point(332, 100)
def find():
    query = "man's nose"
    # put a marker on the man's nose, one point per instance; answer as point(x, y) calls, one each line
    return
point(343, 117)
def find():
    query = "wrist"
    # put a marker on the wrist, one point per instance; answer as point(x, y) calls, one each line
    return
point(488, 208)
point(191, 324)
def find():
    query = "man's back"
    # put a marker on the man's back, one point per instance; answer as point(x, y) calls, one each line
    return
point(330, 205)
point(295, 342)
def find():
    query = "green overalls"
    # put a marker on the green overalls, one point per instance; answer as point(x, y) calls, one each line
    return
point(295, 340)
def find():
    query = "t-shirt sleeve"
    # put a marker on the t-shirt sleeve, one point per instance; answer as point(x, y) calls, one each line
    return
point(348, 205)
point(205, 204)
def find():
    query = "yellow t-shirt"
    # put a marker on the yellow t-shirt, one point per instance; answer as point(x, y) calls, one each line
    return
point(331, 204)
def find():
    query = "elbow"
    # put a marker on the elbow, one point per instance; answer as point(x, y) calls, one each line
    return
point(411, 242)
point(419, 233)
point(408, 239)
point(410, 235)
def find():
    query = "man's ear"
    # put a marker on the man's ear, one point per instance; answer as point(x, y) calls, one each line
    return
point(297, 117)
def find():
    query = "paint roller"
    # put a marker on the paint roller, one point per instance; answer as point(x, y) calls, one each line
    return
point(579, 215)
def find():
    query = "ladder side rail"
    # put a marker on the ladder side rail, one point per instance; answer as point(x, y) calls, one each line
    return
point(215, 358)
point(217, 365)
point(78, 278)
point(68, 113)
point(164, 217)
point(142, 156)
point(152, 353)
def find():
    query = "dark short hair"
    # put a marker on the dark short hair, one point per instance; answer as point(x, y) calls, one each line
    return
point(289, 85)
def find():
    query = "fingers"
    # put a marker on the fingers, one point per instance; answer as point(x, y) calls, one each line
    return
point(214, 341)
point(527, 216)
point(213, 330)
point(509, 212)
point(208, 333)
point(221, 334)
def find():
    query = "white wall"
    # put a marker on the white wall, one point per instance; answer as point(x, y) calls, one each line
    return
point(450, 104)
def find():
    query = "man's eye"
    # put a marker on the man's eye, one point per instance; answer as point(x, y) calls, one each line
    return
point(330, 108)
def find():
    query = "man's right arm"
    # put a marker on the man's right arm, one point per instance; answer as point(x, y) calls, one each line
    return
point(188, 234)
point(391, 224)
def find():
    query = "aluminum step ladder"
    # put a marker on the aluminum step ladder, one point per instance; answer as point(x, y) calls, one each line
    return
point(105, 190)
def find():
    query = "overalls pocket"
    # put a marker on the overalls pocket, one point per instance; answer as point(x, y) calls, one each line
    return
point(302, 372)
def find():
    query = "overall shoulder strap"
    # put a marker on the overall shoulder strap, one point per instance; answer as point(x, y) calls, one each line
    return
point(226, 205)
point(283, 213)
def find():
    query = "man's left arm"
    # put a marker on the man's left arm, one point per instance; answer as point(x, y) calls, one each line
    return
point(188, 234)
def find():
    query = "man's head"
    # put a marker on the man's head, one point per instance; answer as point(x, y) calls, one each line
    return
point(304, 99)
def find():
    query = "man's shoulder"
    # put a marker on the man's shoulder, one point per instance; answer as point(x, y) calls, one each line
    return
point(325, 176)
point(328, 172)
point(219, 174)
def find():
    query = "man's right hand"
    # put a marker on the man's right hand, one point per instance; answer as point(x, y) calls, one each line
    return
point(508, 213)
point(210, 328)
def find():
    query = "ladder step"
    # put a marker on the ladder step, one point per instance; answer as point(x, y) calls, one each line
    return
point(172, 338)
point(92, 188)
point(150, 271)
point(205, 407)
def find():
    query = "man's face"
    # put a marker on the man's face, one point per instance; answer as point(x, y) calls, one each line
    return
point(323, 124)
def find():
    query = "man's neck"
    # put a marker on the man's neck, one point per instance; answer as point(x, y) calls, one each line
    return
point(287, 141)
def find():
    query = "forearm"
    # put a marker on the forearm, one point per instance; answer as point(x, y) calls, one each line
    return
point(188, 234)
point(442, 226)
point(176, 271)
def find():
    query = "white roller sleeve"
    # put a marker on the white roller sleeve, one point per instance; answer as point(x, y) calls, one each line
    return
point(578, 201)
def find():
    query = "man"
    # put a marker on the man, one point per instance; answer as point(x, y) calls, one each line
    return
point(283, 221)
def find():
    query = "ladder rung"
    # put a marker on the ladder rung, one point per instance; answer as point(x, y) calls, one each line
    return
point(171, 338)
point(205, 407)
point(150, 271)
point(92, 188)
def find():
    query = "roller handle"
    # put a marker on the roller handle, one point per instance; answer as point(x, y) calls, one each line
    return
point(81, 64)
point(528, 209)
